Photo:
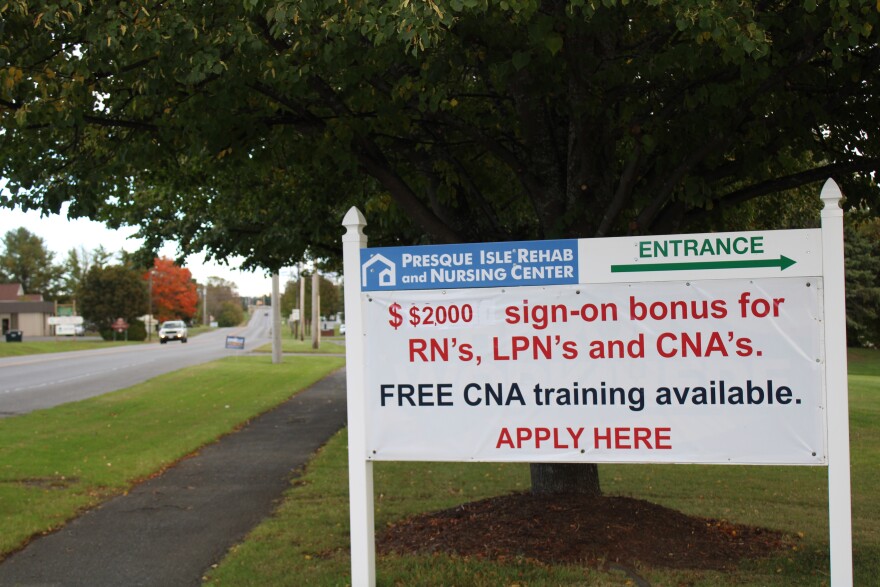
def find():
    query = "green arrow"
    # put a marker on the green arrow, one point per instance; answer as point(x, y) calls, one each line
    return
point(782, 262)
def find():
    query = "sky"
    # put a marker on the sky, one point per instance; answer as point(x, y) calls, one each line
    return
point(60, 234)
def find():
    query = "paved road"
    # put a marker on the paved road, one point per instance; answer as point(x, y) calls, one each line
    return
point(36, 382)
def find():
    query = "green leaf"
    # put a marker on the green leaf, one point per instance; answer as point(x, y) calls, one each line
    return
point(554, 43)
point(521, 59)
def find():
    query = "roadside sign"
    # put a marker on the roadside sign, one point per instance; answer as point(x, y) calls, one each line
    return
point(490, 350)
point(723, 348)
point(235, 343)
point(65, 320)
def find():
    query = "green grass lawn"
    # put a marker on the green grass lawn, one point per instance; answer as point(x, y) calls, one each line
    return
point(17, 349)
point(198, 329)
point(289, 344)
point(306, 542)
point(54, 463)
point(327, 346)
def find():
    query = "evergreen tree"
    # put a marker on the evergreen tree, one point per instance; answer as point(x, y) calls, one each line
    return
point(862, 246)
point(26, 260)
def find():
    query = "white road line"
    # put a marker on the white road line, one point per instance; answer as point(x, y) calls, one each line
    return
point(69, 379)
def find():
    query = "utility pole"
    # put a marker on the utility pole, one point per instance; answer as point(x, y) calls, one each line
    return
point(316, 311)
point(205, 304)
point(276, 320)
point(302, 304)
point(150, 311)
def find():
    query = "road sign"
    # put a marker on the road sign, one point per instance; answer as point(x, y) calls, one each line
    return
point(65, 320)
point(725, 255)
point(235, 342)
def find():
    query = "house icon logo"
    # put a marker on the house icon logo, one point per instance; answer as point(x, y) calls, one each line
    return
point(378, 272)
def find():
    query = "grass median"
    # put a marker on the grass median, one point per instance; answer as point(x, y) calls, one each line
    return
point(18, 349)
point(55, 463)
point(291, 344)
point(306, 542)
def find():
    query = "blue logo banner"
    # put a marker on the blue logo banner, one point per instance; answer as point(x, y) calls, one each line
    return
point(517, 263)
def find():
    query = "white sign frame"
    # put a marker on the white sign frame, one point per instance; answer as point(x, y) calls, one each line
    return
point(826, 263)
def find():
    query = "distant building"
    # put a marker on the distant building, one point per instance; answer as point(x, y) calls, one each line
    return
point(25, 312)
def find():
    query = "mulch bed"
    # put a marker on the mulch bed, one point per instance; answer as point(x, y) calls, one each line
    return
point(597, 531)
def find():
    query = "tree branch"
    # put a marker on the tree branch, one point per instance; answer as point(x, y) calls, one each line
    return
point(111, 122)
point(788, 182)
point(623, 192)
point(369, 155)
point(652, 210)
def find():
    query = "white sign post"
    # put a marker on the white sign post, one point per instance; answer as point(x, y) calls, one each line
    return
point(839, 486)
point(360, 469)
point(724, 348)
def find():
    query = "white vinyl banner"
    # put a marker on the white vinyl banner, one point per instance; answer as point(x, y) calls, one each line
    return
point(699, 371)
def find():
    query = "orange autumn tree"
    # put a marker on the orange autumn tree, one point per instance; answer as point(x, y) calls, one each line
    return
point(174, 294)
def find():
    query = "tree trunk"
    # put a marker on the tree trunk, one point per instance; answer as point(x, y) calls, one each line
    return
point(565, 478)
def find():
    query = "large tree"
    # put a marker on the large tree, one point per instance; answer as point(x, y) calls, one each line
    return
point(221, 294)
point(230, 313)
point(79, 261)
point(173, 293)
point(862, 280)
point(25, 259)
point(330, 293)
point(112, 292)
point(250, 126)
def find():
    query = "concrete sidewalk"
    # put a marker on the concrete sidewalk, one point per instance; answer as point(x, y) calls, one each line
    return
point(169, 530)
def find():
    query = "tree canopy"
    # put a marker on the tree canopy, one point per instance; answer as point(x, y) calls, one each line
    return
point(862, 281)
point(230, 314)
point(220, 293)
point(76, 267)
point(25, 259)
point(330, 293)
point(172, 291)
point(112, 292)
point(249, 127)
